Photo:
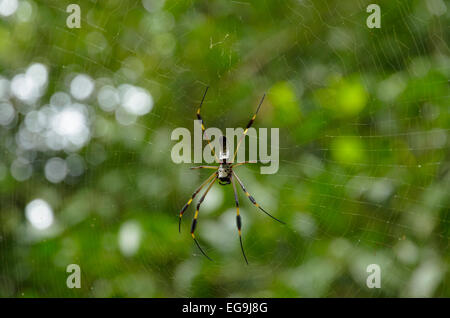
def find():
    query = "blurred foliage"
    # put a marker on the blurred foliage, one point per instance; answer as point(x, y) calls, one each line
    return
point(364, 161)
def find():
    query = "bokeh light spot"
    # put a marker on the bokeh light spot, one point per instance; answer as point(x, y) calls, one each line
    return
point(7, 113)
point(129, 238)
point(8, 7)
point(81, 86)
point(39, 213)
point(55, 170)
point(347, 150)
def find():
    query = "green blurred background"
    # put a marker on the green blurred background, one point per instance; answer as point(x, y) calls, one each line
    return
point(86, 175)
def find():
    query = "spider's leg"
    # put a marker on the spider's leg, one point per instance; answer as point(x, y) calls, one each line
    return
point(250, 123)
point(194, 221)
point(253, 200)
point(205, 167)
point(192, 198)
point(238, 218)
point(243, 163)
point(199, 117)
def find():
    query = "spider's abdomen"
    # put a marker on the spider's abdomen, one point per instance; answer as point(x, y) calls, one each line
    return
point(224, 174)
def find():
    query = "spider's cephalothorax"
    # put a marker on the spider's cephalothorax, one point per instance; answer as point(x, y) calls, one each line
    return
point(225, 174)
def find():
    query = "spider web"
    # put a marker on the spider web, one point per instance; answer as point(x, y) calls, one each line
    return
point(363, 163)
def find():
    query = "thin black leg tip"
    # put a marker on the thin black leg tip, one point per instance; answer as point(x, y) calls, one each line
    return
point(201, 250)
point(245, 258)
point(242, 249)
point(268, 214)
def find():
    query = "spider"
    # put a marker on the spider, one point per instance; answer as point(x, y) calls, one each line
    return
point(225, 174)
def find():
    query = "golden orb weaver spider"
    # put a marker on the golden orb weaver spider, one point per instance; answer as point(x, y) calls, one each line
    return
point(225, 174)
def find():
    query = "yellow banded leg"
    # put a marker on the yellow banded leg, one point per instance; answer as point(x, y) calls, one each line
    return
point(238, 218)
point(253, 200)
point(199, 117)
point(205, 167)
point(194, 221)
point(192, 198)
point(243, 163)
point(250, 123)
